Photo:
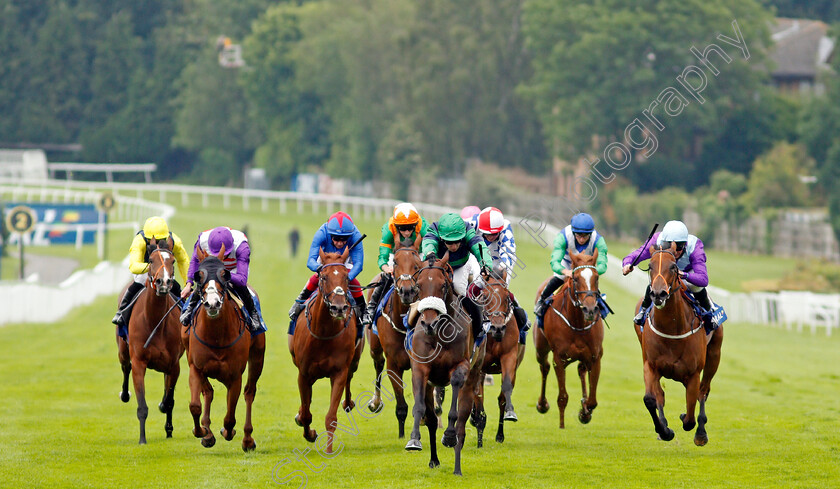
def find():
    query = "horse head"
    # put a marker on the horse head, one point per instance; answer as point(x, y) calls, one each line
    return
point(664, 273)
point(584, 283)
point(406, 264)
point(161, 266)
point(333, 282)
point(434, 283)
point(498, 307)
point(212, 280)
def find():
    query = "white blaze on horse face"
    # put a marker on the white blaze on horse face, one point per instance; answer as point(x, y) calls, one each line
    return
point(586, 273)
point(165, 256)
point(212, 296)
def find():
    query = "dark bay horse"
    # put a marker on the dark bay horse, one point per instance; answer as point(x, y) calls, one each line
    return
point(441, 349)
point(674, 346)
point(324, 345)
point(573, 331)
point(388, 347)
point(502, 353)
point(219, 347)
point(153, 309)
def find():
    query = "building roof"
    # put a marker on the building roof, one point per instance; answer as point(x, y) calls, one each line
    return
point(802, 48)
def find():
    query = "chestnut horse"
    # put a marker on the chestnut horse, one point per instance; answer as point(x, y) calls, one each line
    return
point(573, 331)
point(152, 313)
point(674, 347)
point(388, 347)
point(440, 354)
point(324, 344)
point(502, 353)
point(219, 346)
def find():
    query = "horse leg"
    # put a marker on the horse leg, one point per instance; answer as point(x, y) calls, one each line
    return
point(465, 401)
point(256, 357)
point(700, 436)
point(138, 372)
point(418, 384)
point(712, 363)
point(459, 378)
point(478, 417)
point(337, 382)
point(348, 403)
point(378, 355)
point(233, 390)
point(125, 364)
point(590, 402)
point(655, 403)
point(542, 349)
point(562, 395)
point(440, 395)
point(304, 417)
point(197, 390)
point(508, 380)
point(168, 402)
point(431, 425)
point(692, 392)
point(401, 410)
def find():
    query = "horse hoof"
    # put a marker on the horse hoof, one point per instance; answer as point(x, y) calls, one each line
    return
point(297, 420)
point(375, 408)
point(162, 408)
point(225, 434)
point(500, 438)
point(209, 441)
point(249, 447)
point(310, 436)
point(585, 416)
point(542, 406)
point(701, 440)
point(414, 446)
point(438, 411)
point(668, 435)
point(348, 406)
point(433, 464)
point(448, 440)
point(200, 434)
point(511, 416)
point(125, 396)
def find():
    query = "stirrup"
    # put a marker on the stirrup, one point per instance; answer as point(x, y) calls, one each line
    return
point(185, 316)
point(639, 319)
point(117, 319)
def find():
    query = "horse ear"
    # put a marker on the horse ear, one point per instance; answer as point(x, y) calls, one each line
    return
point(443, 261)
point(170, 243)
point(673, 247)
point(595, 254)
point(201, 254)
point(345, 254)
point(652, 248)
point(321, 255)
point(221, 254)
point(198, 277)
point(417, 241)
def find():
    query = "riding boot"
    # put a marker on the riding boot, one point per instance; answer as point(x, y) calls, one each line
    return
point(640, 317)
point(475, 312)
point(127, 304)
point(705, 302)
point(375, 297)
point(360, 312)
point(186, 314)
point(522, 322)
point(248, 302)
point(553, 284)
point(299, 303)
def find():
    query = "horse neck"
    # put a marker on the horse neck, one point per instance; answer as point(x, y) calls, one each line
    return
point(155, 305)
point(223, 327)
point(572, 312)
point(675, 316)
point(319, 310)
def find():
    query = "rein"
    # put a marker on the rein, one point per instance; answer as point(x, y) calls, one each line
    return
point(502, 313)
point(573, 293)
point(671, 289)
point(224, 292)
point(670, 285)
point(325, 298)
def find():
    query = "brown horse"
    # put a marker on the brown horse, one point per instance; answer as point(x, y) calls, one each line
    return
point(152, 314)
point(502, 353)
point(440, 354)
point(573, 330)
point(387, 348)
point(324, 345)
point(219, 347)
point(674, 347)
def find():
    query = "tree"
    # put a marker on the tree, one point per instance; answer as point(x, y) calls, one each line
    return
point(774, 180)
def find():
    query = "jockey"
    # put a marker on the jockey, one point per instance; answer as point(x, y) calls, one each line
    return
point(581, 232)
point(334, 236)
point(138, 263)
point(400, 230)
point(691, 260)
point(237, 258)
point(450, 234)
point(470, 215)
point(498, 238)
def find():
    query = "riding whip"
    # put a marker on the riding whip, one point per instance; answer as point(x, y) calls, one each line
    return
point(652, 231)
point(146, 344)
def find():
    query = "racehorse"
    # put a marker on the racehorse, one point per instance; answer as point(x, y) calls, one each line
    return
point(674, 347)
point(388, 347)
point(219, 346)
point(502, 353)
point(324, 344)
point(573, 331)
point(152, 317)
point(441, 354)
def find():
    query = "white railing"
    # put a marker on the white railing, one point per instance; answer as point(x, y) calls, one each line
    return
point(107, 168)
point(788, 309)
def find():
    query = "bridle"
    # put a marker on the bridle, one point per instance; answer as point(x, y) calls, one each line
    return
point(505, 313)
point(673, 284)
point(322, 279)
point(154, 275)
point(586, 293)
point(415, 289)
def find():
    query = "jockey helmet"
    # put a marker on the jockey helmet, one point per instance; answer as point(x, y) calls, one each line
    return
point(220, 236)
point(674, 231)
point(469, 211)
point(491, 221)
point(155, 227)
point(405, 214)
point(582, 223)
point(452, 227)
point(340, 224)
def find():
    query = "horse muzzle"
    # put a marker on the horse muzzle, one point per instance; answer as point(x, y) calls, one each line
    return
point(497, 332)
point(339, 311)
point(659, 297)
point(213, 309)
point(407, 295)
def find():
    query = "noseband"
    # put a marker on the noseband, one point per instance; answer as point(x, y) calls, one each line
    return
point(507, 313)
point(586, 293)
point(153, 277)
point(415, 289)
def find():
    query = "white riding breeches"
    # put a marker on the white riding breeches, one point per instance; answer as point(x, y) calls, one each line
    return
point(461, 275)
